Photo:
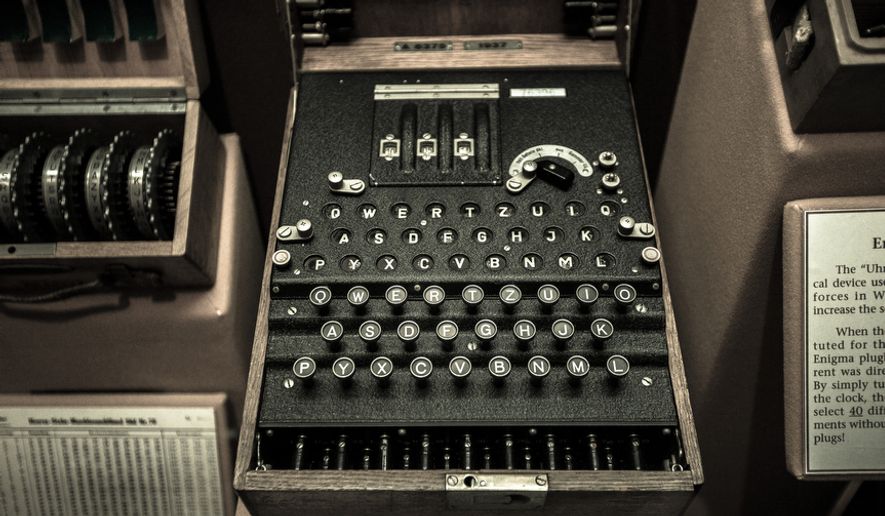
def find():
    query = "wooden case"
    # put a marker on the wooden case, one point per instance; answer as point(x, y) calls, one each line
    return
point(409, 492)
point(121, 84)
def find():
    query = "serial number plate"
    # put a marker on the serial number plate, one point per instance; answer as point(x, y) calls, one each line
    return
point(423, 46)
point(493, 44)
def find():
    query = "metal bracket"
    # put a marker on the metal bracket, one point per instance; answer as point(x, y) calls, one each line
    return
point(339, 185)
point(517, 491)
point(517, 182)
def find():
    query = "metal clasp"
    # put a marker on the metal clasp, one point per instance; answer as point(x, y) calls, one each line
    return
point(519, 491)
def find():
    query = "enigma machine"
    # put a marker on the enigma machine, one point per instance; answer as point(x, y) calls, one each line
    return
point(464, 305)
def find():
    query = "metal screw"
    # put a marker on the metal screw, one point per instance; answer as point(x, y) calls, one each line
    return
point(647, 381)
point(292, 310)
point(288, 383)
point(284, 232)
point(275, 289)
point(452, 480)
point(641, 308)
point(541, 481)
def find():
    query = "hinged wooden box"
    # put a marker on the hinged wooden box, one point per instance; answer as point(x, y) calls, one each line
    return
point(482, 36)
point(109, 158)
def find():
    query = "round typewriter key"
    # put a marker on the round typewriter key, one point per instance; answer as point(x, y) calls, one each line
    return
point(351, 263)
point(483, 235)
point(532, 262)
point(540, 209)
point(617, 366)
point(358, 296)
point(447, 331)
point(376, 236)
point(459, 262)
point(315, 263)
point(505, 210)
point(386, 263)
point(495, 262)
point(469, 210)
point(553, 234)
point(586, 294)
point(367, 211)
point(574, 209)
point(421, 367)
point(624, 294)
point(510, 295)
point(332, 331)
point(320, 296)
point(304, 367)
point(342, 236)
point(332, 211)
point(472, 295)
point(343, 368)
point(486, 329)
point(567, 261)
point(370, 331)
point(434, 295)
point(396, 295)
point(500, 366)
point(517, 235)
point(422, 262)
point(400, 210)
point(539, 366)
point(408, 331)
point(548, 295)
point(446, 236)
point(524, 330)
point(577, 366)
point(460, 367)
point(412, 236)
point(602, 328)
point(435, 210)
point(563, 329)
point(381, 367)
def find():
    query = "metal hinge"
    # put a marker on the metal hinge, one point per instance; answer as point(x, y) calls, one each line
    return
point(92, 101)
point(518, 491)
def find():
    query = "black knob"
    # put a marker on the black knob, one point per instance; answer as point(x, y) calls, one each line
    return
point(557, 175)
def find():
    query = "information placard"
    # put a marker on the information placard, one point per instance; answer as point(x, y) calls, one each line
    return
point(844, 328)
point(110, 460)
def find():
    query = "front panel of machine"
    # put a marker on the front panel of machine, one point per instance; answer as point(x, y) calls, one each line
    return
point(466, 276)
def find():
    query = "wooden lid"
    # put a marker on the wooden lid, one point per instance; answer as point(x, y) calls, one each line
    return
point(175, 60)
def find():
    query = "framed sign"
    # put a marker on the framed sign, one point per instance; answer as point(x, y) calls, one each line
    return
point(156, 454)
point(834, 337)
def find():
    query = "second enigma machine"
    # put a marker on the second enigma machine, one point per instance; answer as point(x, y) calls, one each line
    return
point(465, 305)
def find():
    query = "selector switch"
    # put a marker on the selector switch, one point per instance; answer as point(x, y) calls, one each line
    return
point(559, 176)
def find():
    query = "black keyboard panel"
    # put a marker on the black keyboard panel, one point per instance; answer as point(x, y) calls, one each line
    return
point(414, 285)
